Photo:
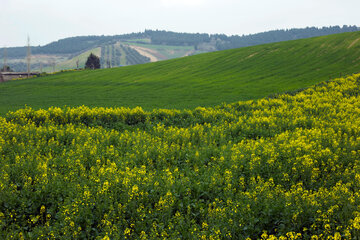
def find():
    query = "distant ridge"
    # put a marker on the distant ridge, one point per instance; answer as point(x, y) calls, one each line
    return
point(200, 42)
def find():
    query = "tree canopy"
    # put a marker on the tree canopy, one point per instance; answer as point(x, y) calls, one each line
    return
point(93, 62)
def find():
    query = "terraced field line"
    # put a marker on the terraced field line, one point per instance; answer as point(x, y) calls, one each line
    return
point(146, 52)
point(353, 43)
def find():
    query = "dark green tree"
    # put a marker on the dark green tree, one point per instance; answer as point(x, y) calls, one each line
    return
point(93, 62)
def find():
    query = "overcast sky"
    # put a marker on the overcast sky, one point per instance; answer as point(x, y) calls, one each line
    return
point(49, 20)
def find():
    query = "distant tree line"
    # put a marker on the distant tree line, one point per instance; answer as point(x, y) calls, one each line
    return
point(75, 45)
point(71, 45)
point(222, 41)
point(64, 46)
point(278, 36)
point(176, 39)
point(15, 52)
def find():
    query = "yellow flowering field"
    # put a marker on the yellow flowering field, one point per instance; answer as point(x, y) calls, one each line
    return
point(285, 167)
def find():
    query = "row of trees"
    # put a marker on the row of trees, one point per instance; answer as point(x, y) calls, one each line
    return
point(75, 45)
point(222, 41)
point(111, 56)
point(133, 57)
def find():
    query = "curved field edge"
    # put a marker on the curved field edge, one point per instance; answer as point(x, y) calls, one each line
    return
point(280, 168)
point(202, 80)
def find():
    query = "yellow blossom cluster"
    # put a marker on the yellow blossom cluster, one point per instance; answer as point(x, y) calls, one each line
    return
point(286, 167)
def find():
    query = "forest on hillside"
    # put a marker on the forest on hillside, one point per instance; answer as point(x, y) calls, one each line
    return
point(208, 42)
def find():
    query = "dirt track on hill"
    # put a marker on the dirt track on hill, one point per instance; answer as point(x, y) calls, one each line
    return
point(147, 53)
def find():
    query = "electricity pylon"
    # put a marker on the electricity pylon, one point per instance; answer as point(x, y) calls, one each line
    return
point(28, 57)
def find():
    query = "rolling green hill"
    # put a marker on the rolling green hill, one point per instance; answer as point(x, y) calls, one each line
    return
point(202, 80)
point(161, 45)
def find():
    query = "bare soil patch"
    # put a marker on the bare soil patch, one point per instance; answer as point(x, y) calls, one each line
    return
point(250, 56)
point(152, 54)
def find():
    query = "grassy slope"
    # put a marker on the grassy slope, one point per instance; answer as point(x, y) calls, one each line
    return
point(71, 63)
point(201, 80)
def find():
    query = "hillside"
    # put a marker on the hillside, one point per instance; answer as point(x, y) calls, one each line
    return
point(72, 62)
point(201, 80)
point(281, 168)
point(160, 44)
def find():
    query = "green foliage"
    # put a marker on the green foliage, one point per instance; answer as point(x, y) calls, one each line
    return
point(222, 42)
point(280, 168)
point(93, 62)
point(201, 80)
point(111, 56)
point(133, 57)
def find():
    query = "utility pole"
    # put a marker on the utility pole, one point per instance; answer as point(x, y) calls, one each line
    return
point(41, 67)
point(5, 56)
point(108, 57)
point(28, 58)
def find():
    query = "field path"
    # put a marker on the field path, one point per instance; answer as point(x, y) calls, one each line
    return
point(353, 43)
point(152, 54)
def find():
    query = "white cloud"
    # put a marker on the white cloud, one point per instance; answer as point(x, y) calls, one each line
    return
point(176, 3)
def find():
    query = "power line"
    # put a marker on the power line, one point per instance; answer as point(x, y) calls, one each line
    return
point(5, 56)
